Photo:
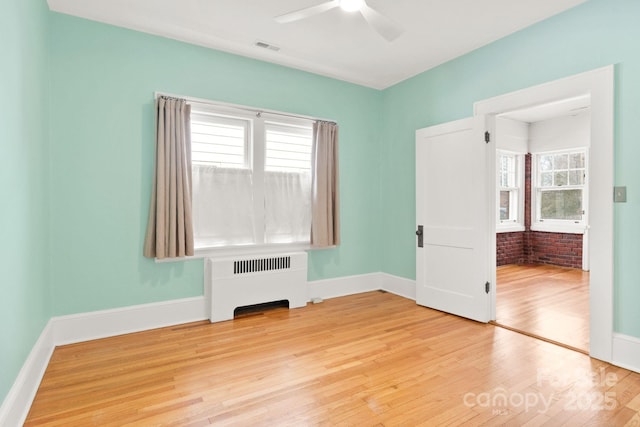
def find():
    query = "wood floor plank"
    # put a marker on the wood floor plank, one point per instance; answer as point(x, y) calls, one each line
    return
point(372, 359)
point(546, 301)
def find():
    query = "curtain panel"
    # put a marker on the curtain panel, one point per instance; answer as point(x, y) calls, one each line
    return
point(325, 203)
point(224, 209)
point(287, 203)
point(223, 206)
point(169, 228)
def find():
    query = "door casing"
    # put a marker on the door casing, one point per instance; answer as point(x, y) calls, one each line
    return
point(599, 84)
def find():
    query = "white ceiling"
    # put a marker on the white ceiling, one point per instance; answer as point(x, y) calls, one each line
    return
point(552, 110)
point(335, 43)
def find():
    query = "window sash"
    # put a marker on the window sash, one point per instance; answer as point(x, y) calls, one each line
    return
point(511, 205)
point(508, 170)
point(287, 148)
point(510, 202)
point(560, 169)
point(556, 173)
point(575, 214)
point(220, 141)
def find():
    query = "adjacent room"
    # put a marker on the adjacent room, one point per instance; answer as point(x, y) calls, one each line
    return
point(320, 212)
point(542, 222)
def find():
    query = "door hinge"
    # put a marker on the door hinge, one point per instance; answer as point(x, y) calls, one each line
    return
point(487, 287)
point(487, 137)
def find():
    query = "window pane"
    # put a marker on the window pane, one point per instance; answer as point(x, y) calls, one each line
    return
point(507, 170)
point(219, 141)
point(560, 178)
point(576, 161)
point(560, 161)
point(546, 179)
point(505, 205)
point(563, 204)
point(576, 177)
point(546, 163)
point(504, 164)
point(288, 148)
point(504, 179)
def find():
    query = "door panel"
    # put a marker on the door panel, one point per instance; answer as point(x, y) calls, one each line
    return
point(452, 267)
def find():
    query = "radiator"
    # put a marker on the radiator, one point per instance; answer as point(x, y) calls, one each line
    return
point(241, 281)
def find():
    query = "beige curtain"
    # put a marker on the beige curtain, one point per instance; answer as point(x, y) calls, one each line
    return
point(170, 229)
point(325, 212)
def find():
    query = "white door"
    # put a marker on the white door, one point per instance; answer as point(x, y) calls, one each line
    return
point(453, 207)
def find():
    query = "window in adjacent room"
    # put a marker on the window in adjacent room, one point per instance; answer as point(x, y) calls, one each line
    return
point(560, 191)
point(251, 177)
point(510, 193)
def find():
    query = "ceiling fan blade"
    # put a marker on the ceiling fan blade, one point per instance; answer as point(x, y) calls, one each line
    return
point(307, 12)
point(383, 25)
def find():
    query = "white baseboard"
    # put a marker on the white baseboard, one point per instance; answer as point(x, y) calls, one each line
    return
point(17, 403)
point(626, 352)
point(118, 321)
point(342, 286)
point(399, 285)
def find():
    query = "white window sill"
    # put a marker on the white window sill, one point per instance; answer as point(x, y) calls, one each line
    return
point(559, 228)
point(509, 228)
point(238, 251)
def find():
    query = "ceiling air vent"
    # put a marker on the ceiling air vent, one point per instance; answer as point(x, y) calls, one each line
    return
point(267, 46)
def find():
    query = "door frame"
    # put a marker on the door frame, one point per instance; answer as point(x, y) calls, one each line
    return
point(600, 84)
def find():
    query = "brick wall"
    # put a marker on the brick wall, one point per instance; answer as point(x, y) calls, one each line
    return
point(510, 248)
point(537, 247)
point(555, 248)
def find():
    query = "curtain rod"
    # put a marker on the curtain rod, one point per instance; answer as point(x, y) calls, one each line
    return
point(256, 111)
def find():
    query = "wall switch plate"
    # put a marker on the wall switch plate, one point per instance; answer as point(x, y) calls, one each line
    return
point(619, 194)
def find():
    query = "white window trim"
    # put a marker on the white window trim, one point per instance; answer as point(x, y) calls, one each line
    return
point(509, 227)
point(516, 225)
point(557, 225)
point(241, 250)
point(216, 107)
point(550, 227)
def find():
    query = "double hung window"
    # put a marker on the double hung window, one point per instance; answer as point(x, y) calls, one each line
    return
point(510, 193)
point(560, 189)
point(251, 177)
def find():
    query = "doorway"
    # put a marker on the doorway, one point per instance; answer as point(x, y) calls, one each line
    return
point(599, 85)
point(542, 218)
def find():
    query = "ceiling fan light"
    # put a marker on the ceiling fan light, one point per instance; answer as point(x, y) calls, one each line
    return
point(351, 5)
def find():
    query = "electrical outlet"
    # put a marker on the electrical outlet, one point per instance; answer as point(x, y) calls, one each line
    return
point(619, 194)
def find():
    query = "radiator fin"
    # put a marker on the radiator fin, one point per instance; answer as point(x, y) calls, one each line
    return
point(261, 264)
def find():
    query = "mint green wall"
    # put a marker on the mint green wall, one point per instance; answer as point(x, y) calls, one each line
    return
point(24, 303)
point(595, 34)
point(103, 83)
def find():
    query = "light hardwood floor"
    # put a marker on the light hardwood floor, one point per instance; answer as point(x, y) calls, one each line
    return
point(373, 359)
point(546, 301)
